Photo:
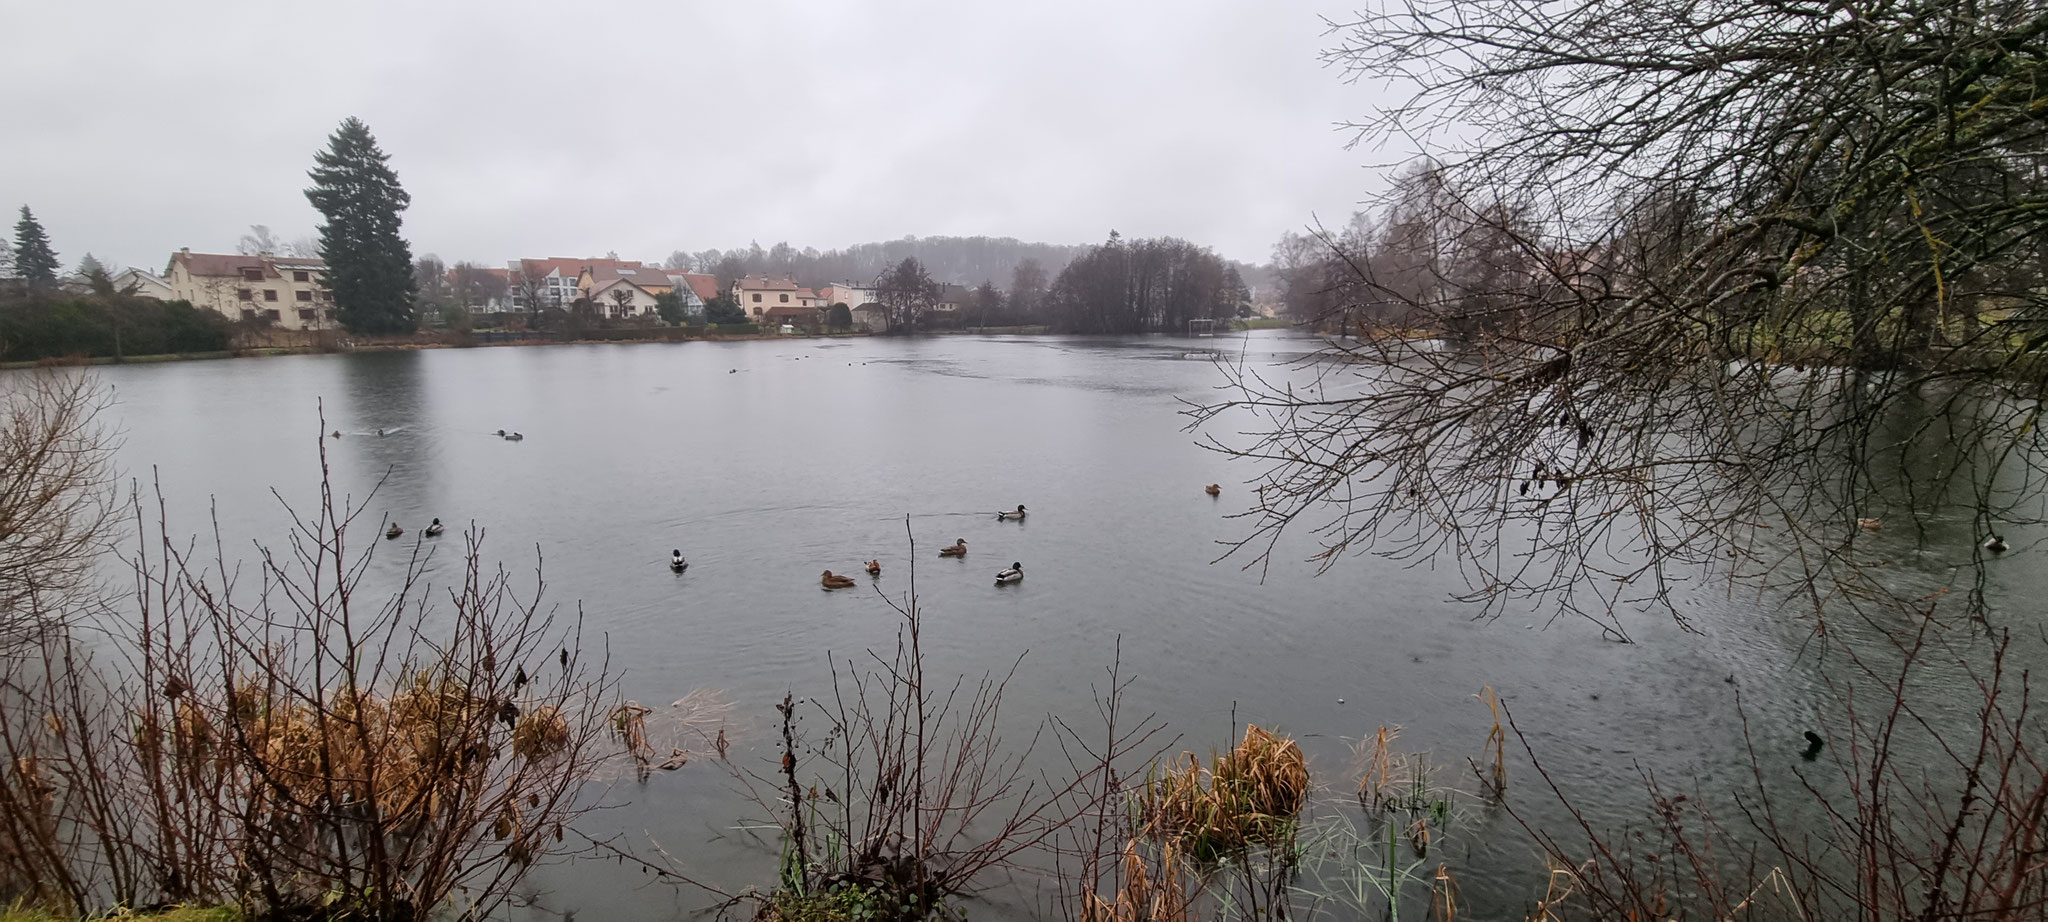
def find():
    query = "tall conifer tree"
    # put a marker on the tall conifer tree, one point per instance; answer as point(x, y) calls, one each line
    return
point(369, 266)
point(33, 258)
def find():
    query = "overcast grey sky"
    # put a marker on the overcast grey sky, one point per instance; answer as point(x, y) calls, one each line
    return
point(533, 129)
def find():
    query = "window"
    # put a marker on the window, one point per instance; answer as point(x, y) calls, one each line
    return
point(244, 294)
point(785, 299)
point(301, 277)
point(327, 296)
point(269, 294)
point(307, 314)
point(248, 314)
point(757, 300)
point(272, 315)
point(254, 275)
point(303, 295)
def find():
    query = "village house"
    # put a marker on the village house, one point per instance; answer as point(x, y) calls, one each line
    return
point(143, 284)
point(556, 279)
point(757, 295)
point(622, 292)
point(285, 290)
point(694, 288)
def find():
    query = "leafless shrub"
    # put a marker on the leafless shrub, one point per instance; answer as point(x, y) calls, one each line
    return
point(307, 744)
point(1914, 812)
point(56, 494)
point(914, 793)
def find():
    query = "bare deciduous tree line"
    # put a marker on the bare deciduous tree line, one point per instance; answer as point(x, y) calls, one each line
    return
point(1681, 289)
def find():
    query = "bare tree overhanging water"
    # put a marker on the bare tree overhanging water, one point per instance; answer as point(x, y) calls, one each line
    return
point(1679, 289)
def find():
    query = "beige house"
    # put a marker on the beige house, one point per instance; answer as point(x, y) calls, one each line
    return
point(757, 295)
point(622, 292)
point(288, 291)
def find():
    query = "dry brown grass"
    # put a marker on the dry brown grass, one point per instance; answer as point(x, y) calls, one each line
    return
point(1250, 795)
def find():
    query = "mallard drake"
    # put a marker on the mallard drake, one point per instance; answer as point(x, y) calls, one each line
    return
point(501, 433)
point(1213, 489)
point(833, 580)
point(1015, 574)
point(435, 528)
point(1996, 544)
point(958, 549)
point(394, 531)
point(1018, 515)
point(874, 568)
point(676, 561)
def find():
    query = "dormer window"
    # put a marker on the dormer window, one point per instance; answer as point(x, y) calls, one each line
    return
point(253, 275)
point(302, 277)
point(785, 299)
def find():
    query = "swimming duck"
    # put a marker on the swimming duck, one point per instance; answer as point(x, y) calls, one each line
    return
point(1015, 574)
point(336, 433)
point(394, 531)
point(1006, 516)
point(1213, 489)
point(874, 568)
point(380, 433)
point(435, 528)
point(1871, 524)
point(501, 433)
point(834, 581)
point(958, 549)
point(1814, 744)
point(1995, 544)
point(676, 561)
point(514, 437)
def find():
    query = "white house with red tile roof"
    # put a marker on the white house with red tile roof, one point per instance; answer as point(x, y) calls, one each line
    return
point(622, 292)
point(556, 278)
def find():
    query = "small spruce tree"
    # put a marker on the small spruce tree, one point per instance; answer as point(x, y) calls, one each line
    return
point(33, 258)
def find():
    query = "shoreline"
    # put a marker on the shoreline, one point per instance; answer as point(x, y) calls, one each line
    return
point(415, 345)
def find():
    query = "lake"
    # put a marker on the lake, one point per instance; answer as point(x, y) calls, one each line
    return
point(766, 462)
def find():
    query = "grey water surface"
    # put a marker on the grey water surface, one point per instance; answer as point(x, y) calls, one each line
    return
point(767, 462)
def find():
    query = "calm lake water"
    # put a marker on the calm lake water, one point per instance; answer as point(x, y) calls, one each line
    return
point(767, 462)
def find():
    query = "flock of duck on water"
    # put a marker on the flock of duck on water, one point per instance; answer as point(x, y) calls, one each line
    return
point(1014, 573)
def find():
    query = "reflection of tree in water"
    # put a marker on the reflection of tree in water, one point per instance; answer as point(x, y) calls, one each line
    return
point(385, 390)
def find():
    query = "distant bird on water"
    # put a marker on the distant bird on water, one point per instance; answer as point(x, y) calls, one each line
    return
point(1213, 489)
point(1814, 744)
point(1007, 516)
point(1870, 524)
point(958, 549)
point(1996, 544)
point(676, 561)
point(336, 433)
point(1015, 574)
point(514, 437)
point(834, 581)
point(874, 568)
point(435, 528)
point(394, 531)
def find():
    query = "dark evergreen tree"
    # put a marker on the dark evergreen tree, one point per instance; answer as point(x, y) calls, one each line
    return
point(33, 258)
point(369, 266)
